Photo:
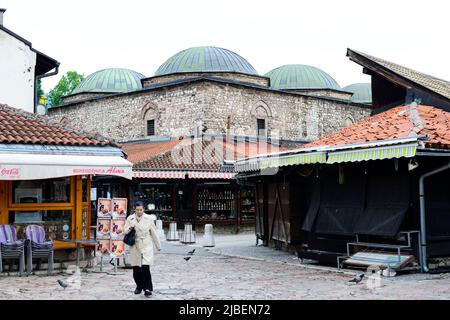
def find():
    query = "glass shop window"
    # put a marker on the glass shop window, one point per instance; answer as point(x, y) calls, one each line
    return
point(215, 203)
point(158, 200)
point(42, 191)
point(56, 223)
point(248, 204)
point(84, 189)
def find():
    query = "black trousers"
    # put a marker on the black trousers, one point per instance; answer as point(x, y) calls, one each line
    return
point(143, 277)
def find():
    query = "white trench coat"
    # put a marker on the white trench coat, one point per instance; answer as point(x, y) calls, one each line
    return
point(146, 237)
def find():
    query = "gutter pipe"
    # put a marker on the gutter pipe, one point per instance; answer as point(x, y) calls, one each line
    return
point(423, 238)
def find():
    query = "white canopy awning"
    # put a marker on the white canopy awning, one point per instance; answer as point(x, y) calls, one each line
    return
point(15, 166)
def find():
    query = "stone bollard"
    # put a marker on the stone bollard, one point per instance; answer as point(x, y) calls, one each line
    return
point(188, 235)
point(208, 237)
point(160, 230)
point(172, 235)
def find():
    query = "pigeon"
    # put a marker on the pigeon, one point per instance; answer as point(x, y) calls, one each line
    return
point(63, 284)
point(186, 258)
point(191, 252)
point(357, 278)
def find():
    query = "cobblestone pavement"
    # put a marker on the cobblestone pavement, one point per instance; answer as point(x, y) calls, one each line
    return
point(234, 269)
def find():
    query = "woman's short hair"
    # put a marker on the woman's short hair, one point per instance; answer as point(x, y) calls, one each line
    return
point(139, 204)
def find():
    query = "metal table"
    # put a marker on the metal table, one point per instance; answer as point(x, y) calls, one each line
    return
point(79, 242)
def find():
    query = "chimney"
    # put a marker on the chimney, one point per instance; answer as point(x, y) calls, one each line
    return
point(2, 11)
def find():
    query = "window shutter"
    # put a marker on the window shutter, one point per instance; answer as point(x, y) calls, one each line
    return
point(261, 127)
point(150, 127)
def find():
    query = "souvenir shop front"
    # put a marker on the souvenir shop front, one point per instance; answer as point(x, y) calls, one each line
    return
point(196, 197)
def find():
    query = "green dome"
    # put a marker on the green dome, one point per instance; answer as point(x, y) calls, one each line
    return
point(205, 59)
point(299, 76)
point(362, 92)
point(111, 80)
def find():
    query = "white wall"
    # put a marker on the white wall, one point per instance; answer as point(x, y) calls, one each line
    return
point(17, 63)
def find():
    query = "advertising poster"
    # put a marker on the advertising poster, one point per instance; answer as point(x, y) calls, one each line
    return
point(117, 248)
point(104, 208)
point(117, 229)
point(103, 247)
point(119, 208)
point(103, 228)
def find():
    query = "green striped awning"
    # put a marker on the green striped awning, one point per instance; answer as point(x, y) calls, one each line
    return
point(289, 160)
point(378, 153)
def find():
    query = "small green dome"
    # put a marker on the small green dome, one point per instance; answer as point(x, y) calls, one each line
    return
point(362, 92)
point(111, 80)
point(205, 59)
point(299, 76)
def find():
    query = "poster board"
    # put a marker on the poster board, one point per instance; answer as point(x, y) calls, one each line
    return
point(111, 218)
point(104, 208)
point(119, 208)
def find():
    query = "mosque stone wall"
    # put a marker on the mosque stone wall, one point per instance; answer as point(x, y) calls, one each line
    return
point(234, 76)
point(179, 110)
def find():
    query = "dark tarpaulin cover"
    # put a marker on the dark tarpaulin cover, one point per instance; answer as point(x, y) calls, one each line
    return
point(313, 208)
point(387, 202)
point(341, 204)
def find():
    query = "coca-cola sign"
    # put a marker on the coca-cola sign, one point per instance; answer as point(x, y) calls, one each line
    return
point(9, 172)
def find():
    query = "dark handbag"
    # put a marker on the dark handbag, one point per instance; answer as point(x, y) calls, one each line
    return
point(130, 238)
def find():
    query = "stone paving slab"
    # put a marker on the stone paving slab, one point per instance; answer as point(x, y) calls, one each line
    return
point(211, 274)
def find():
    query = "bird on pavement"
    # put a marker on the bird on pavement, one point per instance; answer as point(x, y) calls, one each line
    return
point(191, 252)
point(357, 278)
point(63, 284)
point(186, 258)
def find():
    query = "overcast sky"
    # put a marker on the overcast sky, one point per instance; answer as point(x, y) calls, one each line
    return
point(89, 35)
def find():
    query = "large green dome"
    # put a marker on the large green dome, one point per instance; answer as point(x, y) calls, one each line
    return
point(299, 76)
point(362, 92)
point(111, 80)
point(205, 59)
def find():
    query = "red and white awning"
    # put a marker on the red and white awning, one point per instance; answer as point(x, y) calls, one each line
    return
point(210, 175)
point(182, 175)
point(159, 174)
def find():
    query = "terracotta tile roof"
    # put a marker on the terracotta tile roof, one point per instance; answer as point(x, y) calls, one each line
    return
point(398, 122)
point(141, 151)
point(439, 86)
point(192, 154)
point(18, 126)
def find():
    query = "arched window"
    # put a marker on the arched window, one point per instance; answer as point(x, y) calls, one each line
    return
point(261, 113)
point(349, 121)
point(149, 116)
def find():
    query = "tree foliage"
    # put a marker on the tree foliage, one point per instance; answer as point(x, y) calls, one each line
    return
point(40, 91)
point(65, 86)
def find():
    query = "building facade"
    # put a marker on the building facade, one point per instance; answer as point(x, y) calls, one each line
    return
point(20, 67)
point(216, 90)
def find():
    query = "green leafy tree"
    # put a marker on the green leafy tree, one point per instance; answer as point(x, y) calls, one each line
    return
point(40, 91)
point(65, 86)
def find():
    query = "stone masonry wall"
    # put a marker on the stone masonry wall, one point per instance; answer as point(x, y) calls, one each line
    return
point(180, 109)
point(258, 80)
point(296, 117)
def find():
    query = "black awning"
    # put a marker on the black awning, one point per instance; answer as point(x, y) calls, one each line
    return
point(341, 199)
point(387, 202)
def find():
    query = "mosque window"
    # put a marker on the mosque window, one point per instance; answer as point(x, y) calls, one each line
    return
point(151, 127)
point(261, 127)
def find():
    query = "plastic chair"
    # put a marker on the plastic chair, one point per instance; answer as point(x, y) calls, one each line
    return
point(10, 247)
point(37, 247)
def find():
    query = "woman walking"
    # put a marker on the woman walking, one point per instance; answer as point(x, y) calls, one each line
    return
point(141, 253)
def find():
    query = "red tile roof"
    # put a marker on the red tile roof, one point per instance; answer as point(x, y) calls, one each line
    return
point(192, 154)
point(398, 122)
point(18, 126)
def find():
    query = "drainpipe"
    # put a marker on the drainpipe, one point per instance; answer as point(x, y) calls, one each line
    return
point(423, 239)
point(36, 98)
